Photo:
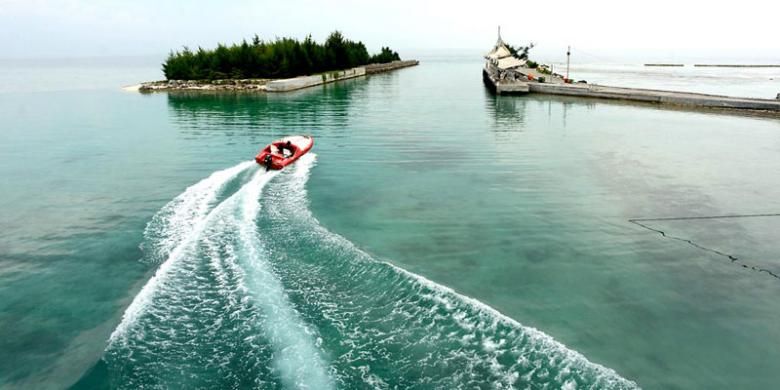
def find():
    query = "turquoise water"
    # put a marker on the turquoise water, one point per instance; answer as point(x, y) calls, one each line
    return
point(438, 237)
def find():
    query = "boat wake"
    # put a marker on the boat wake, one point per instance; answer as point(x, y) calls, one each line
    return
point(213, 315)
point(253, 291)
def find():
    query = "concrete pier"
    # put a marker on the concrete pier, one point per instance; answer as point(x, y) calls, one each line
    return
point(688, 99)
point(657, 96)
point(504, 87)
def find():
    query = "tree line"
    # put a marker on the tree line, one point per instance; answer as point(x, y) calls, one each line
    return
point(520, 52)
point(281, 58)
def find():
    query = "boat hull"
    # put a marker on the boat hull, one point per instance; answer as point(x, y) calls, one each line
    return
point(272, 156)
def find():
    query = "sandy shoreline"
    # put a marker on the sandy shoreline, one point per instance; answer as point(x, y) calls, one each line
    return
point(132, 88)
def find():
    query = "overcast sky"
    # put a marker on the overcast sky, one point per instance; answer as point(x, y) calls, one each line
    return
point(76, 28)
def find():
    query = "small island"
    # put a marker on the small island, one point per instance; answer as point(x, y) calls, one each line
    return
point(281, 65)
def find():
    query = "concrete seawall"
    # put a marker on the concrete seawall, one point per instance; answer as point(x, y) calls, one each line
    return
point(329, 77)
point(657, 96)
point(688, 99)
point(500, 87)
point(379, 68)
point(285, 85)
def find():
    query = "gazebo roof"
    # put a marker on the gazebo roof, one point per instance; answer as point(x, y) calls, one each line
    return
point(510, 62)
point(499, 52)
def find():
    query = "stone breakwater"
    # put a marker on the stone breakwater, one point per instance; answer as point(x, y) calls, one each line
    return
point(206, 85)
point(272, 85)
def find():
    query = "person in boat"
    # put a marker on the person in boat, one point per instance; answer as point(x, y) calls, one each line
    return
point(289, 148)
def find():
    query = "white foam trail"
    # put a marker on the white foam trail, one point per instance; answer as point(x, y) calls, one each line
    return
point(536, 336)
point(482, 319)
point(230, 235)
point(178, 218)
point(298, 358)
point(194, 202)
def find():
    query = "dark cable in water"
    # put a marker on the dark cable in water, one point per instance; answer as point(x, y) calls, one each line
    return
point(706, 217)
point(732, 258)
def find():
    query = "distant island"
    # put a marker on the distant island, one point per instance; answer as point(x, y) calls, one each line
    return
point(254, 65)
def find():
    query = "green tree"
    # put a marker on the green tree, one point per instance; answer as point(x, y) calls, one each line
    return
point(282, 57)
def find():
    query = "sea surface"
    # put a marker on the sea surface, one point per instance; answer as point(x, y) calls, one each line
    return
point(437, 236)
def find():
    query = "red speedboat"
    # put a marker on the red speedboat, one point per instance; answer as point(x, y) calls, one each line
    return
point(283, 152)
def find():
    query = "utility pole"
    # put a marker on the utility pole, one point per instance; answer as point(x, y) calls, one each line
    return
point(568, 55)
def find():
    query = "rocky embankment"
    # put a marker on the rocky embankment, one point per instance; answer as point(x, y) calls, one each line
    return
point(206, 85)
point(271, 85)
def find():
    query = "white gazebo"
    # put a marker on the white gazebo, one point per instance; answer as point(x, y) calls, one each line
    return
point(501, 57)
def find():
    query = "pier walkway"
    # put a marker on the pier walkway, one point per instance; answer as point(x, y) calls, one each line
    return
point(634, 94)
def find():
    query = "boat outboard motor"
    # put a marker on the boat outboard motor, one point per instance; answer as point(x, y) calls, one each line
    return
point(267, 162)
